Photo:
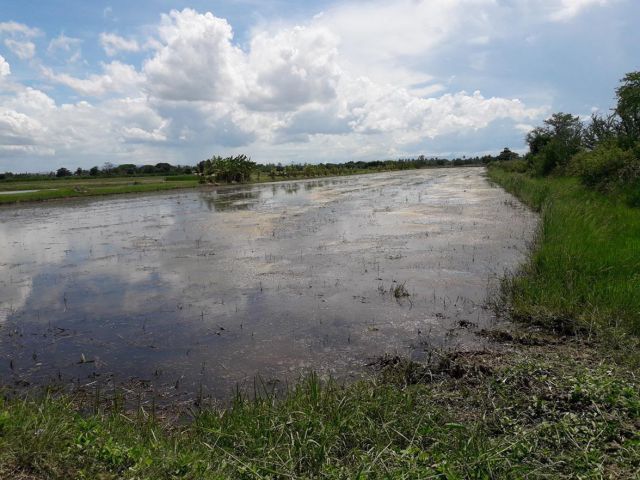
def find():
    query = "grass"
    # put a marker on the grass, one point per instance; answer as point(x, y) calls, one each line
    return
point(535, 414)
point(68, 188)
point(551, 397)
point(585, 270)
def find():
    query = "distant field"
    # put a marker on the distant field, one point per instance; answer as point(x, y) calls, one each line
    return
point(49, 188)
point(81, 187)
point(56, 188)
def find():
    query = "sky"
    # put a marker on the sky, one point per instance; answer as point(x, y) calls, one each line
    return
point(88, 82)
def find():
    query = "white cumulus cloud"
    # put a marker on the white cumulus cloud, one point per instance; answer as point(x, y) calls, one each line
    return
point(116, 77)
point(5, 68)
point(20, 133)
point(24, 50)
point(292, 68)
point(195, 59)
point(15, 28)
point(114, 44)
point(354, 82)
point(68, 45)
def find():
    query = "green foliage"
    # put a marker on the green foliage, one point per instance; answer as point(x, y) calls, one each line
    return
point(610, 168)
point(63, 172)
point(628, 108)
point(520, 166)
point(537, 139)
point(550, 156)
point(181, 178)
point(555, 143)
point(75, 187)
point(604, 154)
point(481, 416)
point(601, 129)
point(507, 155)
point(601, 167)
point(107, 171)
point(584, 273)
point(234, 169)
point(126, 169)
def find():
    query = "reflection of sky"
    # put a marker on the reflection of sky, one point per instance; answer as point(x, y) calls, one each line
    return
point(258, 279)
point(280, 194)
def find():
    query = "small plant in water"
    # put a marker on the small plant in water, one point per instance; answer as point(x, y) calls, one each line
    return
point(400, 291)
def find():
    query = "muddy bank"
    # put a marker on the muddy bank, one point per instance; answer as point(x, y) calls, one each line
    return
point(202, 290)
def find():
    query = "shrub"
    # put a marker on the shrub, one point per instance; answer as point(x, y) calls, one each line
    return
point(610, 168)
point(550, 157)
point(518, 166)
point(632, 194)
point(600, 166)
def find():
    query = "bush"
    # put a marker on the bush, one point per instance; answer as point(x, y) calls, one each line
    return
point(550, 157)
point(598, 166)
point(606, 167)
point(518, 166)
point(232, 169)
point(632, 194)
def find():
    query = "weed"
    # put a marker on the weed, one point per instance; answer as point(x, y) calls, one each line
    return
point(400, 290)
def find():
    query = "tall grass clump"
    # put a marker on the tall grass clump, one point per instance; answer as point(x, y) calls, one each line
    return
point(584, 271)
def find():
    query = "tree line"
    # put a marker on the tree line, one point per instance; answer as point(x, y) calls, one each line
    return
point(240, 168)
point(279, 171)
point(107, 170)
point(603, 152)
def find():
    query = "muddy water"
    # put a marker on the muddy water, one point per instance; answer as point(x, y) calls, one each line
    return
point(208, 288)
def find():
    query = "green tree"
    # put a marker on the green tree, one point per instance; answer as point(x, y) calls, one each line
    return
point(537, 139)
point(628, 108)
point(63, 172)
point(507, 155)
point(126, 169)
point(601, 129)
point(553, 144)
point(230, 169)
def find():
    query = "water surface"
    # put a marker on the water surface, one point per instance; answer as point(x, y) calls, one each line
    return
point(205, 289)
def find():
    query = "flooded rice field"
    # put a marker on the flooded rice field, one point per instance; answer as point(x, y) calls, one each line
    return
point(206, 289)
